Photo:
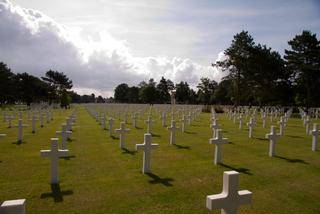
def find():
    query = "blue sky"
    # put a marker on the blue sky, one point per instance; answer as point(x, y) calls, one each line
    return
point(101, 44)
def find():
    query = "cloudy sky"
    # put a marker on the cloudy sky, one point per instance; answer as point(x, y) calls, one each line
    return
point(102, 43)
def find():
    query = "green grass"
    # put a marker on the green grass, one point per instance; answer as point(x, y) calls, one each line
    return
point(98, 177)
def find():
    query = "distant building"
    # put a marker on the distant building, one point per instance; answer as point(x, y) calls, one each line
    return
point(173, 99)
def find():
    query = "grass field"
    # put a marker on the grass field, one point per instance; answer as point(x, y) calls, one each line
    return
point(98, 177)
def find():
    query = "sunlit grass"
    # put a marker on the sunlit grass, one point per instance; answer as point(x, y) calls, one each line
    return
point(98, 177)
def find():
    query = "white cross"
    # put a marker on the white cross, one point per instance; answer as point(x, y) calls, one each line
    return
point(10, 120)
point(164, 117)
point(230, 198)
point(34, 120)
point(125, 116)
point(173, 129)
point(264, 117)
point(149, 121)
point(104, 119)
point(3, 136)
point(110, 122)
point(251, 125)
point(51, 114)
point(241, 118)
point(21, 115)
point(273, 136)
point(218, 141)
point(215, 125)
point(47, 116)
point(235, 117)
point(69, 123)
point(64, 135)
point(41, 116)
point(173, 114)
point(146, 147)
point(54, 154)
point(122, 131)
point(307, 122)
point(135, 117)
point(282, 122)
point(184, 121)
point(315, 132)
point(20, 127)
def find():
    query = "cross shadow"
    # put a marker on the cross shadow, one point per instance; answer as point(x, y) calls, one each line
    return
point(156, 179)
point(115, 138)
point(242, 170)
point(70, 140)
point(155, 135)
point(292, 160)
point(231, 143)
point(126, 151)
point(263, 139)
point(190, 132)
point(56, 193)
point(293, 136)
point(68, 157)
point(182, 147)
point(19, 142)
point(105, 129)
point(138, 128)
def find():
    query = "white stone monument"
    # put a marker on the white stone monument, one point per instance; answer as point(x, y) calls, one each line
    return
point(149, 121)
point(20, 126)
point(273, 136)
point(54, 154)
point(315, 132)
point(13, 207)
point(241, 118)
point(184, 121)
point(308, 122)
point(122, 132)
point(146, 147)
point(41, 116)
point(34, 120)
point(110, 122)
point(3, 136)
point(64, 135)
point(230, 198)
point(173, 129)
point(218, 141)
point(251, 125)
point(135, 117)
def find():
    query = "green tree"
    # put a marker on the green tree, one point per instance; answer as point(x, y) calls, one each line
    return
point(56, 82)
point(133, 96)
point(6, 84)
point(238, 63)
point(183, 92)
point(223, 92)
point(163, 89)
point(100, 99)
point(148, 94)
point(121, 93)
point(29, 88)
point(206, 89)
point(64, 99)
point(304, 63)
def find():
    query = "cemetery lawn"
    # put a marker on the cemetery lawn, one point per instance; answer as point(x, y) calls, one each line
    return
point(98, 177)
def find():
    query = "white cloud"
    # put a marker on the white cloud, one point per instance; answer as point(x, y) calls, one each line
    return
point(35, 43)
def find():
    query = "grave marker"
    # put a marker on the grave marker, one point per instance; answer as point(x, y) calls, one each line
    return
point(218, 141)
point(282, 123)
point(184, 121)
point(135, 117)
point(173, 129)
point(308, 122)
point(230, 198)
point(110, 122)
point(251, 125)
point(13, 207)
point(149, 121)
point(146, 147)
point(41, 116)
point(122, 131)
point(315, 132)
point(64, 135)
point(215, 126)
point(273, 136)
point(20, 126)
point(241, 118)
point(54, 154)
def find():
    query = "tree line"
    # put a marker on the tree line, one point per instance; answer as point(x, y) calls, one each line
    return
point(256, 75)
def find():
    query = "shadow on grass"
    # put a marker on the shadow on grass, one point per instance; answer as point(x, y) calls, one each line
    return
point(242, 170)
point(156, 180)
point(231, 143)
point(56, 193)
point(138, 128)
point(115, 138)
point(194, 125)
point(70, 140)
point(293, 136)
point(182, 147)
point(155, 135)
point(263, 139)
point(126, 151)
point(190, 132)
point(290, 160)
point(68, 157)
point(19, 142)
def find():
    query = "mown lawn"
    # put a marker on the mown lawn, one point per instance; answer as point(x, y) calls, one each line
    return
point(98, 177)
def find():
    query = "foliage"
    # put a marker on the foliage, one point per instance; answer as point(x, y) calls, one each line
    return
point(206, 89)
point(121, 93)
point(304, 63)
point(64, 99)
point(183, 92)
point(148, 94)
point(6, 84)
